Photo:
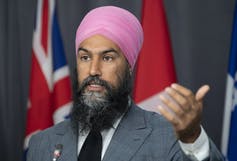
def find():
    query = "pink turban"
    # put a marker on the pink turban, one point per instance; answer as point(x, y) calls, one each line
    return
point(116, 24)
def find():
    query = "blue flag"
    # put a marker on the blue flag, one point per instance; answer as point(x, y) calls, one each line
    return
point(229, 137)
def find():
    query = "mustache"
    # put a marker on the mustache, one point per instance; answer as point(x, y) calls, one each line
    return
point(94, 80)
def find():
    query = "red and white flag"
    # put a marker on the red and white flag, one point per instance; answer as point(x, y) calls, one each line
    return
point(155, 68)
point(50, 93)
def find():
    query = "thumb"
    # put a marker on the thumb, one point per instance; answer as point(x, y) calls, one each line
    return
point(202, 91)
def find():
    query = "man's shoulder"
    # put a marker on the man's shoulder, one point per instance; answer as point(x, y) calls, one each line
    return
point(60, 128)
point(43, 142)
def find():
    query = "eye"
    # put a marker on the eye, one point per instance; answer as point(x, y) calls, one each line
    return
point(85, 58)
point(108, 58)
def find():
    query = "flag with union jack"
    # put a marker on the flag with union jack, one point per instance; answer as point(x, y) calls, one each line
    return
point(50, 93)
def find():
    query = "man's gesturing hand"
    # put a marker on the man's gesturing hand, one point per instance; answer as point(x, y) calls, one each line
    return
point(183, 109)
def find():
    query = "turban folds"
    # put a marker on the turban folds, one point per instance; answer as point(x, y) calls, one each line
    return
point(116, 24)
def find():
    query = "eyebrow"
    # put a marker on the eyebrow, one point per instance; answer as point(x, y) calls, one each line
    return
point(110, 50)
point(82, 49)
point(103, 52)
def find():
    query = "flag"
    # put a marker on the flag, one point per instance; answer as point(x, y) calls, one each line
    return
point(49, 99)
point(229, 134)
point(155, 68)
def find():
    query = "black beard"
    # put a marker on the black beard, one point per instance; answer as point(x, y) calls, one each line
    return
point(97, 111)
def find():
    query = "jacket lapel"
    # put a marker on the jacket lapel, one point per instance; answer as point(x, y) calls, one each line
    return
point(128, 137)
point(68, 139)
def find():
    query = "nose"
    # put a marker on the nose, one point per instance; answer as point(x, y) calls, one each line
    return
point(95, 68)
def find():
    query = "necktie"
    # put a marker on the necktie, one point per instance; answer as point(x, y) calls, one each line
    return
point(92, 147)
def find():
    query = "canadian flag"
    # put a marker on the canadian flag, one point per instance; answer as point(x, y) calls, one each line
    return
point(155, 67)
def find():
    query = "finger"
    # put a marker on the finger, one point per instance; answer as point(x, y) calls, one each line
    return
point(178, 98)
point(172, 105)
point(186, 93)
point(182, 90)
point(202, 91)
point(168, 115)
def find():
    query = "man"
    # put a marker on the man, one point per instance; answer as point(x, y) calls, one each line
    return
point(105, 123)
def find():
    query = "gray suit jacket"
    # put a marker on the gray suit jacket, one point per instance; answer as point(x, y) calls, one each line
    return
point(140, 136)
